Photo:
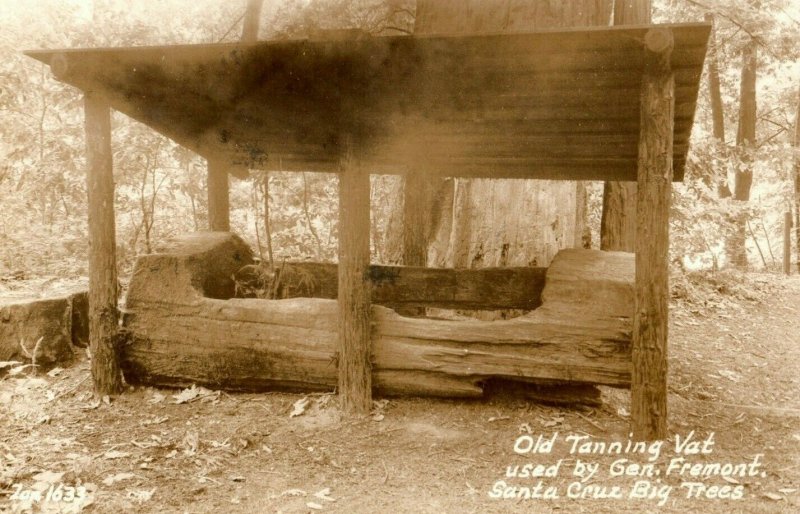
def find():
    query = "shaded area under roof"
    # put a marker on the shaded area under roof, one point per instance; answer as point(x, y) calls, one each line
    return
point(551, 104)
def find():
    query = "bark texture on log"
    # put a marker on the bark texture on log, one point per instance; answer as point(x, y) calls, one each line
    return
point(618, 219)
point(400, 287)
point(102, 248)
point(649, 381)
point(176, 336)
point(44, 330)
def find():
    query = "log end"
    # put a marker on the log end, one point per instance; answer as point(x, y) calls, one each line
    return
point(658, 40)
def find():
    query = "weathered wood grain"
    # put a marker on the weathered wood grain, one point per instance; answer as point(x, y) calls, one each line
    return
point(176, 336)
point(651, 314)
point(400, 287)
point(102, 247)
point(353, 356)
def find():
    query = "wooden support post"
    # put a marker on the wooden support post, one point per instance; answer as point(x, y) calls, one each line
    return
point(649, 374)
point(787, 242)
point(219, 215)
point(354, 352)
point(102, 248)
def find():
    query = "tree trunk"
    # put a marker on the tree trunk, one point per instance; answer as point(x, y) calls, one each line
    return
point(419, 192)
point(102, 248)
point(717, 109)
point(252, 18)
point(745, 145)
point(618, 218)
point(651, 312)
point(219, 210)
point(537, 217)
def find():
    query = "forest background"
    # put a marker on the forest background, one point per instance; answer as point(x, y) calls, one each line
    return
point(743, 170)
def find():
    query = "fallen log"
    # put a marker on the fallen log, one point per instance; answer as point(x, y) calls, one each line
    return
point(176, 336)
point(43, 331)
point(402, 287)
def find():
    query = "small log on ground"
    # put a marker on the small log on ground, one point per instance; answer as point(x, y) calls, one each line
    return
point(177, 336)
point(404, 286)
point(56, 323)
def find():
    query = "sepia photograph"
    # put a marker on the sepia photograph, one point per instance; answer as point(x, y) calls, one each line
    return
point(399, 256)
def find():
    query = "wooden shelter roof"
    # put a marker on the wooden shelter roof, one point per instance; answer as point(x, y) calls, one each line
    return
point(549, 104)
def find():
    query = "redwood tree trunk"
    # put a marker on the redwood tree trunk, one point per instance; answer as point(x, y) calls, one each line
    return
point(219, 217)
point(618, 219)
point(538, 217)
point(745, 145)
point(717, 112)
point(419, 192)
point(250, 25)
point(419, 189)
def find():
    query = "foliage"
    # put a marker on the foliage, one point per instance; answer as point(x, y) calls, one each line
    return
point(161, 187)
point(704, 290)
point(701, 220)
point(377, 17)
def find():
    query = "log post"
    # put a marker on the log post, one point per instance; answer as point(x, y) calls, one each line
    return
point(355, 368)
point(649, 374)
point(102, 248)
point(219, 215)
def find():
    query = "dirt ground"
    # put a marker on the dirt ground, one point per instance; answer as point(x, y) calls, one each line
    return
point(735, 373)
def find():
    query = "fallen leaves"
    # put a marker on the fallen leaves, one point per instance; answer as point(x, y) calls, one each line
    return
point(293, 492)
point(377, 413)
point(325, 494)
point(552, 422)
point(48, 477)
point(115, 454)
point(195, 393)
point(140, 495)
point(498, 418)
point(730, 375)
point(155, 420)
point(299, 407)
point(190, 443)
point(119, 477)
